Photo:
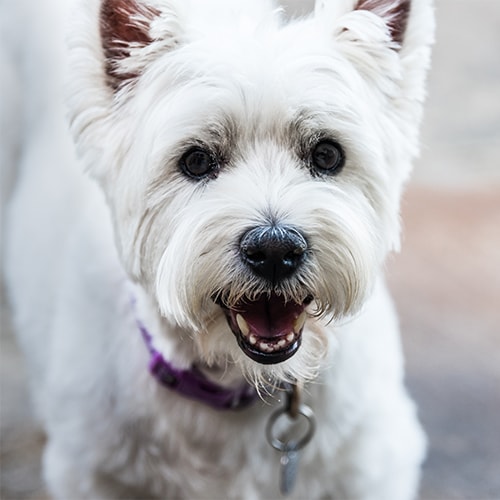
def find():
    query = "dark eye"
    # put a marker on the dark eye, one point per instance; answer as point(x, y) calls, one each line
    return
point(198, 163)
point(327, 157)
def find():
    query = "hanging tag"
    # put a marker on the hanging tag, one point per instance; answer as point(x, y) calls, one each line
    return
point(288, 430)
point(289, 468)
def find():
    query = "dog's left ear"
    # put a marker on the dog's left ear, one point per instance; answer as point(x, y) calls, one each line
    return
point(370, 22)
point(387, 40)
point(133, 33)
point(395, 14)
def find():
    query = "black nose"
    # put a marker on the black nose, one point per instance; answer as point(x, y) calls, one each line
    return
point(273, 252)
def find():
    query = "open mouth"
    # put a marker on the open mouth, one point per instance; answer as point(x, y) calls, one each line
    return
point(269, 329)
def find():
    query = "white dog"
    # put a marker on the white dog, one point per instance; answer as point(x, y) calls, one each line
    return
point(247, 165)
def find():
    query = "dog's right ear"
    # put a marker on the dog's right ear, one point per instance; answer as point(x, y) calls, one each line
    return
point(133, 33)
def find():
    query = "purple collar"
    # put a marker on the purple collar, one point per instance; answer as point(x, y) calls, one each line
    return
point(193, 384)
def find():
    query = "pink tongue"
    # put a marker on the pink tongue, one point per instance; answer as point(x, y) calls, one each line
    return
point(270, 317)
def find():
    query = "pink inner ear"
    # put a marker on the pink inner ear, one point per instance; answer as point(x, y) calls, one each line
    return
point(123, 22)
point(395, 13)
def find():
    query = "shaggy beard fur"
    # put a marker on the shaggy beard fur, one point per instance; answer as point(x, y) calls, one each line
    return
point(201, 264)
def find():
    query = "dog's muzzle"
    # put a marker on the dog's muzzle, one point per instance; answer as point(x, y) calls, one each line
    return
point(269, 329)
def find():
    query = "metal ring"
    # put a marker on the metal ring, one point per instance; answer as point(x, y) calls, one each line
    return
point(284, 446)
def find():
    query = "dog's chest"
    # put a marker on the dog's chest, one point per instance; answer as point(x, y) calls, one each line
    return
point(188, 450)
point(194, 452)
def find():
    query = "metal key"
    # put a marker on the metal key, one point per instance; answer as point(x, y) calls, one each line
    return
point(284, 436)
point(289, 467)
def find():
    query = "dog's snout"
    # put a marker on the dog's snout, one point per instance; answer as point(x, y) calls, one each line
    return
point(273, 252)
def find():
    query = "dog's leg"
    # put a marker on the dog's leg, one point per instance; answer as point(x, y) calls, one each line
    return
point(64, 477)
point(382, 459)
point(70, 479)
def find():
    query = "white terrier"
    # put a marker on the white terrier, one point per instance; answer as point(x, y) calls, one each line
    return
point(252, 163)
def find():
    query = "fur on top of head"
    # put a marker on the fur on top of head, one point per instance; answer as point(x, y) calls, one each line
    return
point(123, 40)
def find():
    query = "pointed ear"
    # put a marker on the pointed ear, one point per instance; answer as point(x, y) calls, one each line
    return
point(130, 39)
point(394, 12)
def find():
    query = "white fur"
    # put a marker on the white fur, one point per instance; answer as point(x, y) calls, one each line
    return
point(76, 259)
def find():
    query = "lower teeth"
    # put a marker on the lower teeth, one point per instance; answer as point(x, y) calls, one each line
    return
point(265, 347)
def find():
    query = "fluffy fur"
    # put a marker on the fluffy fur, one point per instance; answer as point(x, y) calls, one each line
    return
point(145, 82)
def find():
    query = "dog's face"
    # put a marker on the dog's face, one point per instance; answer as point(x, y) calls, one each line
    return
point(253, 167)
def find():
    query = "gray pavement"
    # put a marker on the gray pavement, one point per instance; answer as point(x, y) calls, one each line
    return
point(446, 281)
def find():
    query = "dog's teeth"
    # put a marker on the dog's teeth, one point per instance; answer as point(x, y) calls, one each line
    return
point(265, 347)
point(252, 339)
point(242, 325)
point(300, 322)
point(282, 343)
point(290, 337)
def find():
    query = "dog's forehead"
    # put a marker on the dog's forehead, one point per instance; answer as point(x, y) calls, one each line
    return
point(276, 53)
point(259, 76)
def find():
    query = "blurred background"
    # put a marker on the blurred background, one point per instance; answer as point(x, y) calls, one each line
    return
point(446, 281)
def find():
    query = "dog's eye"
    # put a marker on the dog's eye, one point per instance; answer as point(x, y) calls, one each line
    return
point(198, 163)
point(328, 157)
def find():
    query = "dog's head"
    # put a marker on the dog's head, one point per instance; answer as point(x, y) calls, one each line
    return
point(253, 166)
